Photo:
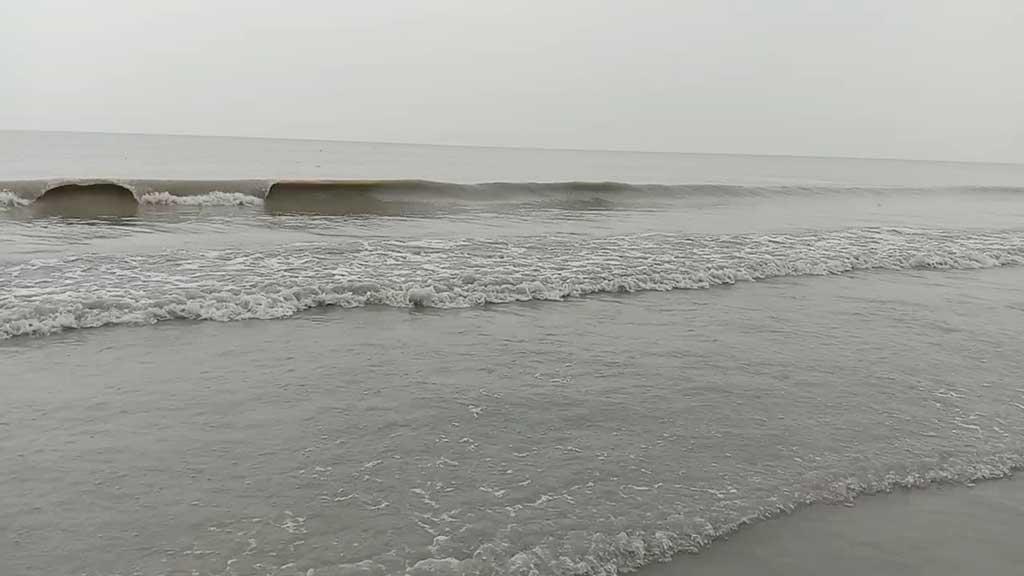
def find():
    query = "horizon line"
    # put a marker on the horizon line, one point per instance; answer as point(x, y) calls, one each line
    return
point(512, 147)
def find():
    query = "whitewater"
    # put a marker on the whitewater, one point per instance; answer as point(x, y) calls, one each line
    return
point(241, 356)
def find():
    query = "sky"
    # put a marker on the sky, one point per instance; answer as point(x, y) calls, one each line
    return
point(928, 79)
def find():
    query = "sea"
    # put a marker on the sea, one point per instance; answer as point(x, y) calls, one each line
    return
point(230, 356)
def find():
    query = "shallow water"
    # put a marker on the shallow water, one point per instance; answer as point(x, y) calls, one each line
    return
point(943, 531)
point(571, 379)
point(594, 433)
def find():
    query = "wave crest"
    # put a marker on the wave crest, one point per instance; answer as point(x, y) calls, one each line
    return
point(214, 198)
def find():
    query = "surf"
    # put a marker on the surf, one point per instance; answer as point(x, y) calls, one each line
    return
point(45, 296)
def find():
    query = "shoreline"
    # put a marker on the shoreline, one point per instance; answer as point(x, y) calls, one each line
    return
point(943, 529)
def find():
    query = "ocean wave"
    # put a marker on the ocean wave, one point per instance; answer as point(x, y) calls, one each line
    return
point(47, 296)
point(602, 554)
point(500, 190)
point(284, 191)
point(214, 198)
point(12, 200)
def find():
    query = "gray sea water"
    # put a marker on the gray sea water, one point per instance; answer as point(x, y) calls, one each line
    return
point(239, 356)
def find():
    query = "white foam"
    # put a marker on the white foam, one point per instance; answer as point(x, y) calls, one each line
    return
point(95, 290)
point(215, 198)
point(11, 200)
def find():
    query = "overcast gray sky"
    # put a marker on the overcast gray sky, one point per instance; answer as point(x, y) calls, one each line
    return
point(939, 79)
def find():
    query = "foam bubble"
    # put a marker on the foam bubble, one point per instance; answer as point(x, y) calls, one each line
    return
point(214, 198)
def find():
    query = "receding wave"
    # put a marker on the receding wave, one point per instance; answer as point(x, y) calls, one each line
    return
point(612, 554)
point(92, 290)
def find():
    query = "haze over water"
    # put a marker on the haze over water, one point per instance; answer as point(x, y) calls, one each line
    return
point(483, 360)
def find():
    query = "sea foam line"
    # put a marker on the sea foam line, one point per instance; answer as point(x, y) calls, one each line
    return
point(43, 297)
point(600, 554)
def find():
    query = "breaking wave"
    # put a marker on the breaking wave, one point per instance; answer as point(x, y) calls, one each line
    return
point(301, 192)
point(214, 198)
point(47, 296)
point(12, 200)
